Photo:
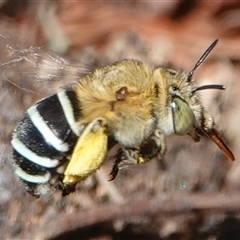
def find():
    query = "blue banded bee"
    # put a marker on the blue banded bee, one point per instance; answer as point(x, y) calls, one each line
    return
point(63, 138)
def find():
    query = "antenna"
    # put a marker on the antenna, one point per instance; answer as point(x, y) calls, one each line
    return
point(210, 86)
point(201, 59)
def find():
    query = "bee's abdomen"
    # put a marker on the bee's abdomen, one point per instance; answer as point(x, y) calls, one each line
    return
point(45, 137)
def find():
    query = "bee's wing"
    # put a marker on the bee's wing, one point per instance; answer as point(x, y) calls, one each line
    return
point(35, 69)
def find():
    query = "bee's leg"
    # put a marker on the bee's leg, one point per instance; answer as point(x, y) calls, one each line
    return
point(67, 189)
point(155, 145)
point(125, 157)
point(119, 157)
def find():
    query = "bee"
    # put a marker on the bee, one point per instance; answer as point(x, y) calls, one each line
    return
point(64, 138)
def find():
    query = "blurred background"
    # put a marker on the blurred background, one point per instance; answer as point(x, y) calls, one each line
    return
point(193, 192)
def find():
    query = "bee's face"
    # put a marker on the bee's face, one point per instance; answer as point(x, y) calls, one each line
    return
point(181, 108)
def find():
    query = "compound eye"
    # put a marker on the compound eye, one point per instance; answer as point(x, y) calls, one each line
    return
point(183, 117)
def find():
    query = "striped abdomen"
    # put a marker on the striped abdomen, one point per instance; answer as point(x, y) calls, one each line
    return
point(44, 139)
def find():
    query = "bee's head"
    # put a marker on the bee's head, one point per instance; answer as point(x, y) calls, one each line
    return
point(183, 116)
